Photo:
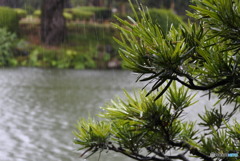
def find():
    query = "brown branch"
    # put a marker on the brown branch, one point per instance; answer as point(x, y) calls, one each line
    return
point(209, 87)
point(185, 145)
point(180, 156)
point(191, 149)
point(136, 156)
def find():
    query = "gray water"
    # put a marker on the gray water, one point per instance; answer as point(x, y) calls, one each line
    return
point(39, 108)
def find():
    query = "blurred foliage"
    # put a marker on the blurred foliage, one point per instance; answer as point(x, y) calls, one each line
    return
point(83, 36)
point(93, 32)
point(89, 44)
point(29, 21)
point(37, 56)
point(6, 47)
point(165, 18)
point(9, 19)
point(179, 6)
point(67, 15)
point(79, 14)
point(86, 46)
point(37, 13)
point(90, 12)
point(21, 12)
point(100, 13)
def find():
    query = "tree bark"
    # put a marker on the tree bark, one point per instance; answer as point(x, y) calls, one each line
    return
point(123, 8)
point(172, 6)
point(52, 22)
point(12, 3)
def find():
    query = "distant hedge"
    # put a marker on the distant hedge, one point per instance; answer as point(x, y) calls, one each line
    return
point(83, 13)
point(100, 13)
point(86, 13)
point(79, 14)
point(165, 18)
point(9, 19)
point(6, 46)
point(37, 13)
point(20, 12)
point(66, 14)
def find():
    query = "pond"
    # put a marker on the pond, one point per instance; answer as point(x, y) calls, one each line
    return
point(39, 108)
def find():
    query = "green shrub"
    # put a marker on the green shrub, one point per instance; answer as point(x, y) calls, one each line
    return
point(103, 14)
point(83, 13)
point(30, 9)
point(37, 13)
point(90, 35)
point(20, 12)
point(8, 19)
point(86, 13)
point(165, 18)
point(99, 12)
point(30, 21)
point(6, 44)
point(67, 15)
point(79, 14)
point(62, 58)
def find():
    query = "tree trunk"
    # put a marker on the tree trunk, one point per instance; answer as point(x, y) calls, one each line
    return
point(52, 22)
point(123, 8)
point(172, 6)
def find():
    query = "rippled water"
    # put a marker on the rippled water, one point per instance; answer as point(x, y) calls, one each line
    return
point(39, 108)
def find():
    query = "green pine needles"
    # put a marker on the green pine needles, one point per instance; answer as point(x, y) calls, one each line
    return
point(199, 56)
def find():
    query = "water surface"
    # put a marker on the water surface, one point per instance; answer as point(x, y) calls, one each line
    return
point(39, 108)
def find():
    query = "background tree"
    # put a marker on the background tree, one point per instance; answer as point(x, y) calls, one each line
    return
point(67, 4)
point(153, 3)
point(109, 3)
point(202, 56)
point(176, 5)
point(3, 2)
point(12, 3)
point(98, 2)
point(123, 6)
point(52, 22)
